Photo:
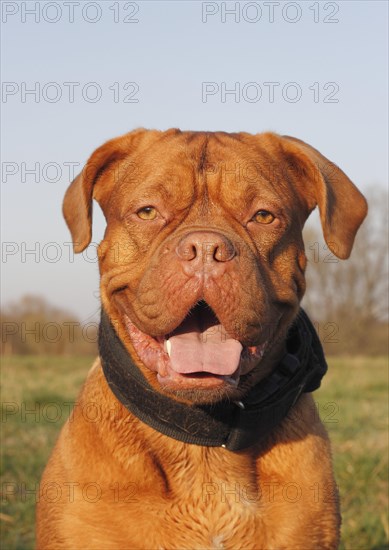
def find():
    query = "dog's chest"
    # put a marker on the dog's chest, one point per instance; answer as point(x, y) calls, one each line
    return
point(211, 500)
point(220, 516)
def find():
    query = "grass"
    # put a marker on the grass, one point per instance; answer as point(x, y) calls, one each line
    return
point(37, 394)
point(36, 397)
point(358, 388)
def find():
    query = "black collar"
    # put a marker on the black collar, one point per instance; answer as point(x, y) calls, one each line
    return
point(234, 426)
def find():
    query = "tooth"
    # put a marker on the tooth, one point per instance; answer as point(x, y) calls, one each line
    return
point(168, 347)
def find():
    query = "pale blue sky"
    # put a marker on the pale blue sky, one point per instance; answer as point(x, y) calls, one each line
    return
point(169, 53)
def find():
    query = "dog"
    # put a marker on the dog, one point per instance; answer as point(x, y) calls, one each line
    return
point(196, 427)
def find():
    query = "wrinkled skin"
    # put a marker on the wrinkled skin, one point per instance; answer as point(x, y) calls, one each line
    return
point(149, 276)
point(202, 272)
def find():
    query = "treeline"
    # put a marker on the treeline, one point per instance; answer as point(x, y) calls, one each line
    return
point(348, 299)
point(33, 327)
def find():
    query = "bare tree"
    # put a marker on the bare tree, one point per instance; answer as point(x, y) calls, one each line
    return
point(32, 326)
point(352, 294)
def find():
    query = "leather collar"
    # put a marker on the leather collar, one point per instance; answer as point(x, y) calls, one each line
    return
point(233, 425)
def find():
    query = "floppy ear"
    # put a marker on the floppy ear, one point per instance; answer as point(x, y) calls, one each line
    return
point(77, 204)
point(342, 207)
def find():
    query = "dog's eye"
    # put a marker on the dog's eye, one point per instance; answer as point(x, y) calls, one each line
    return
point(147, 213)
point(263, 216)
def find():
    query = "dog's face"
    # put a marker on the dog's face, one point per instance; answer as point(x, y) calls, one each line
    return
point(202, 263)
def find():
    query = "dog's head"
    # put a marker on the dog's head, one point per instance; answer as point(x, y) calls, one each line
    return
point(202, 263)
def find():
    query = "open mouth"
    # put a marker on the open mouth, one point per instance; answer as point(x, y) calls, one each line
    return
point(198, 353)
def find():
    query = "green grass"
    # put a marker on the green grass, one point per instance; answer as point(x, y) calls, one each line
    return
point(352, 403)
point(359, 389)
point(47, 386)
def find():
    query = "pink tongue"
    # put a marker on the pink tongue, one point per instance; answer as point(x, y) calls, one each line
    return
point(208, 351)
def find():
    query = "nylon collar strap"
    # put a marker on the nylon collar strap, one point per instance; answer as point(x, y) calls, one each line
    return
point(234, 426)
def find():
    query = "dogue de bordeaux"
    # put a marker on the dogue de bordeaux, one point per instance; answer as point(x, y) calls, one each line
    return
point(196, 428)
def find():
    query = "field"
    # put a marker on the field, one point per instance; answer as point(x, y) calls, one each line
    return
point(37, 394)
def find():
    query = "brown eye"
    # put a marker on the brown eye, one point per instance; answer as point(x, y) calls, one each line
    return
point(147, 213)
point(263, 216)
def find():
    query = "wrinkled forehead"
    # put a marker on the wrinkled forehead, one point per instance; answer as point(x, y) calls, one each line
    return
point(229, 166)
point(237, 165)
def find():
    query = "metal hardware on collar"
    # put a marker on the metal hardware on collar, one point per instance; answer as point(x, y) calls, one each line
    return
point(298, 394)
point(232, 426)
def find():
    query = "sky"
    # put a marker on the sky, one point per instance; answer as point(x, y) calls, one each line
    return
point(75, 74)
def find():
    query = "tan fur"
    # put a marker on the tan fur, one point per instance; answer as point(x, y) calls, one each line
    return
point(112, 482)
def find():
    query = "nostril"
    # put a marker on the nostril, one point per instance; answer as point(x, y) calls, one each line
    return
point(192, 252)
point(186, 252)
point(224, 253)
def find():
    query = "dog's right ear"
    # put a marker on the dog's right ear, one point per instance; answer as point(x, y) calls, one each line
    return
point(77, 204)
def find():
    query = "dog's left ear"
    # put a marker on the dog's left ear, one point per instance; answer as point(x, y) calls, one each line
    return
point(77, 204)
point(342, 207)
